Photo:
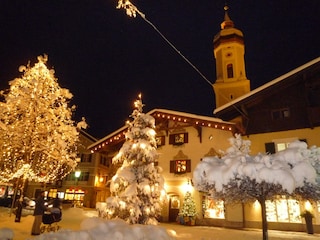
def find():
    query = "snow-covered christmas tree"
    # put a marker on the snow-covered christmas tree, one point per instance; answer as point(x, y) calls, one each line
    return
point(188, 208)
point(38, 135)
point(137, 189)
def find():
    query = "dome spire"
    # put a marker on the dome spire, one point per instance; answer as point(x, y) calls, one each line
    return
point(227, 23)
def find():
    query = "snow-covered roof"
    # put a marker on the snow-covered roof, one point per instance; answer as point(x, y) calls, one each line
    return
point(267, 85)
point(162, 112)
point(188, 115)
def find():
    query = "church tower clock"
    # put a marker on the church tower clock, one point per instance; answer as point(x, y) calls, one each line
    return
point(228, 48)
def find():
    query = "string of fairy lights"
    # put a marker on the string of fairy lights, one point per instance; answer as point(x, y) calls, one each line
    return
point(40, 139)
point(168, 116)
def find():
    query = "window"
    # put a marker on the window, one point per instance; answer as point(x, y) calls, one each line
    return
point(84, 176)
point(180, 166)
point(283, 210)
point(213, 208)
point(280, 144)
point(280, 114)
point(106, 161)
point(230, 70)
point(178, 139)
point(85, 157)
point(160, 140)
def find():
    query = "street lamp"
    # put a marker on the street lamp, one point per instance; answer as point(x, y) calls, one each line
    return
point(77, 175)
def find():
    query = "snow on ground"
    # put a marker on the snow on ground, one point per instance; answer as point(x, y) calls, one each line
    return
point(76, 222)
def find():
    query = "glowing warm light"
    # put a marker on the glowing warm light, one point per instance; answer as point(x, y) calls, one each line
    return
point(308, 206)
point(187, 187)
point(40, 143)
point(143, 146)
point(256, 205)
point(122, 205)
point(77, 173)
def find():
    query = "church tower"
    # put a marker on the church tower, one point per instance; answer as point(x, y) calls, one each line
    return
point(228, 48)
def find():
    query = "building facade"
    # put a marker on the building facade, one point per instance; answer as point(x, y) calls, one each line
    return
point(271, 116)
point(85, 185)
point(183, 139)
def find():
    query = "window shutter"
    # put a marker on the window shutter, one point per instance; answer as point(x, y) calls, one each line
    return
point(171, 139)
point(270, 147)
point(186, 138)
point(172, 166)
point(188, 166)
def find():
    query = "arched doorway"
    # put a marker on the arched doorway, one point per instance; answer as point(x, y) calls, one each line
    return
point(174, 206)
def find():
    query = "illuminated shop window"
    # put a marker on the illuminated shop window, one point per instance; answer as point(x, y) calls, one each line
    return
point(213, 208)
point(52, 193)
point(2, 190)
point(74, 194)
point(283, 210)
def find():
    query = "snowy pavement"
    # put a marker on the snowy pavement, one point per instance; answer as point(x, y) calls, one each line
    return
point(73, 217)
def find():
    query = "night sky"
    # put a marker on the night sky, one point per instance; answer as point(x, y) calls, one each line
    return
point(106, 58)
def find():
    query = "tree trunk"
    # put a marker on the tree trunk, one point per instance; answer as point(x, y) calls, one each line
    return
point(19, 207)
point(262, 202)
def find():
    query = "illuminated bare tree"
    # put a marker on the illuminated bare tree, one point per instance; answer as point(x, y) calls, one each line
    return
point(38, 135)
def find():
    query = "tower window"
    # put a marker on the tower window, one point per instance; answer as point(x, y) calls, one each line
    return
point(230, 70)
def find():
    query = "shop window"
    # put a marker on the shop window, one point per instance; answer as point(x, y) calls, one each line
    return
point(52, 193)
point(180, 166)
point(283, 210)
point(160, 140)
point(3, 191)
point(213, 208)
point(178, 139)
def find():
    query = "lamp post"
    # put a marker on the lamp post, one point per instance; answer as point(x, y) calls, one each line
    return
point(77, 174)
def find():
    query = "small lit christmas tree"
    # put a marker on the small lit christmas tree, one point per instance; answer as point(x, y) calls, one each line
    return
point(137, 189)
point(188, 208)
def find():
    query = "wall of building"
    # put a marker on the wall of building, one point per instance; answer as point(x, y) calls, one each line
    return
point(176, 184)
point(258, 140)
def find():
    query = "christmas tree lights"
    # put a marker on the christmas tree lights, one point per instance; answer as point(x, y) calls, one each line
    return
point(38, 136)
point(137, 189)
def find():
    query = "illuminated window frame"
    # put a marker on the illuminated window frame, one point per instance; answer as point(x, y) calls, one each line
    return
point(283, 210)
point(213, 208)
point(180, 166)
point(160, 140)
point(178, 138)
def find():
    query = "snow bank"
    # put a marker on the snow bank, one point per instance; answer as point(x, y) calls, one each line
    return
point(6, 234)
point(101, 229)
